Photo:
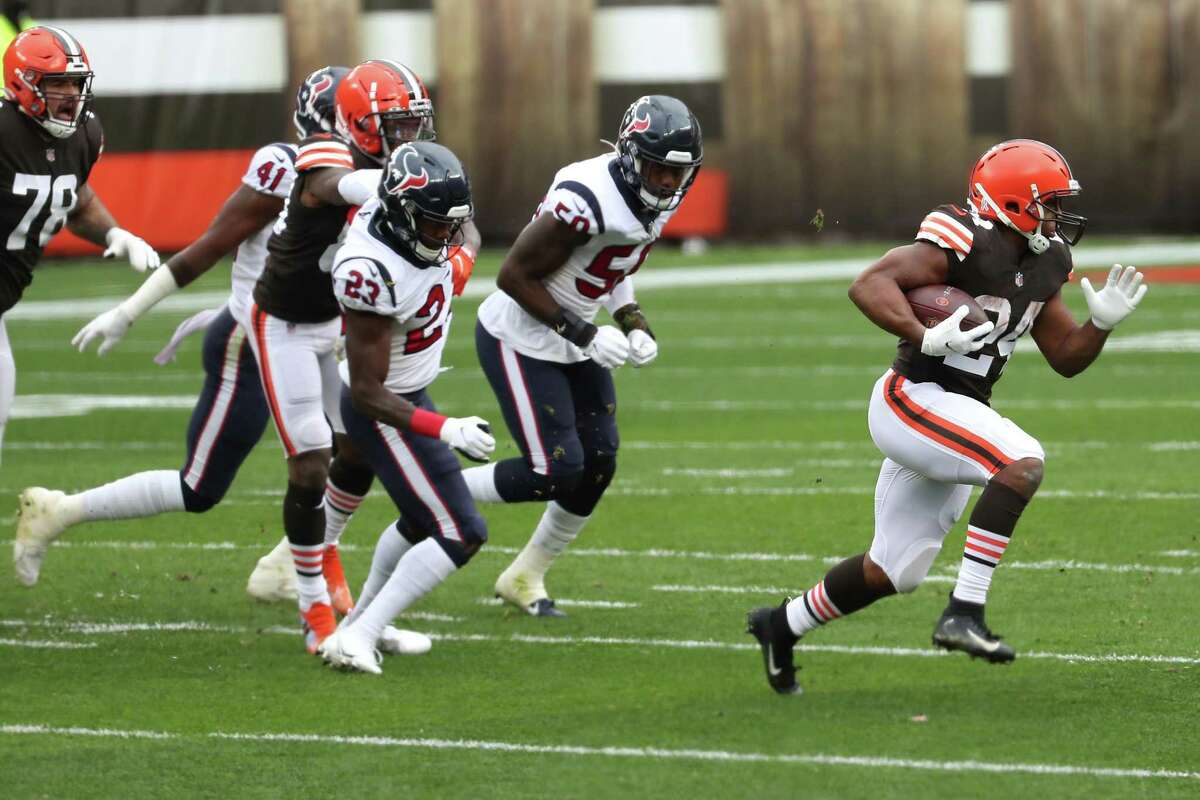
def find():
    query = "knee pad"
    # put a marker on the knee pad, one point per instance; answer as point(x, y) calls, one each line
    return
point(909, 570)
point(516, 482)
point(194, 503)
point(598, 472)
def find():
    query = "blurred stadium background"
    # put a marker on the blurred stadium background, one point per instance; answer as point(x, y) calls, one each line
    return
point(138, 668)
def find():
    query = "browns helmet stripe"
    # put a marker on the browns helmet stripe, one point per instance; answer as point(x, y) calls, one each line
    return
point(411, 81)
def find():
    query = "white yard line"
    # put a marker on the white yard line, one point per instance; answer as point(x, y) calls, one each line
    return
point(625, 751)
point(652, 553)
point(102, 628)
point(567, 602)
point(37, 644)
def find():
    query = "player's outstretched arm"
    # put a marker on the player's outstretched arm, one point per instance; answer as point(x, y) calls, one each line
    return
point(243, 214)
point(879, 290)
point(91, 220)
point(368, 349)
point(1070, 348)
point(338, 186)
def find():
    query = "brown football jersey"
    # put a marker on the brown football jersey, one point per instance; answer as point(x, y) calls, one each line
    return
point(295, 285)
point(40, 178)
point(1005, 277)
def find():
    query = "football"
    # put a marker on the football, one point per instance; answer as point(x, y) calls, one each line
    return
point(934, 303)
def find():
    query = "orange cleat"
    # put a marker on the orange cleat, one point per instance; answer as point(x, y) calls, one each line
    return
point(319, 623)
point(335, 580)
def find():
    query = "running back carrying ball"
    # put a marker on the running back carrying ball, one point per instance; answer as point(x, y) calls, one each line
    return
point(934, 303)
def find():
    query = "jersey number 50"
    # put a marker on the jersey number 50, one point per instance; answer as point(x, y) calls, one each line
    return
point(601, 267)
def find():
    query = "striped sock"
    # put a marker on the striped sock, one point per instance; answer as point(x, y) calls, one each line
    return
point(340, 505)
point(310, 582)
point(981, 556)
point(811, 610)
point(990, 528)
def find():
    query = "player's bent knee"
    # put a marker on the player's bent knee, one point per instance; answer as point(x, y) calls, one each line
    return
point(1023, 476)
point(909, 570)
point(195, 503)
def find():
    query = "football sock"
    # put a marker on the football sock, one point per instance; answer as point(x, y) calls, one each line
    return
point(143, 494)
point(388, 550)
point(417, 573)
point(555, 530)
point(344, 492)
point(988, 531)
point(843, 591)
point(481, 482)
point(304, 523)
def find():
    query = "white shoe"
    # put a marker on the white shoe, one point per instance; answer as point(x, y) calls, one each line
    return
point(274, 577)
point(40, 521)
point(343, 650)
point(527, 591)
point(401, 642)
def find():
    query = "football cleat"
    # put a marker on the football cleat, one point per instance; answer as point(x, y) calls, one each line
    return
point(344, 650)
point(335, 579)
point(769, 626)
point(40, 520)
point(962, 628)
point(319, 624)
point(274, 577)
point(527, 592)
point(401, 642)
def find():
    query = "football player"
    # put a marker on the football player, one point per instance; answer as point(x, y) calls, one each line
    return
point(49, 142)
point(930, 415)
point(548, 363)
point(231, 414)
point(393, 279)
point(294, 322)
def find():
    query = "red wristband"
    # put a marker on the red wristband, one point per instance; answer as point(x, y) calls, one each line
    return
point(426, 423)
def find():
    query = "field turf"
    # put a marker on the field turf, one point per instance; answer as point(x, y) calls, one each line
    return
point(138, 667)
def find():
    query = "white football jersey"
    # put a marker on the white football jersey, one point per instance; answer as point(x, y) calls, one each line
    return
point(591, 197)
point(271, 171)
point(369, 275)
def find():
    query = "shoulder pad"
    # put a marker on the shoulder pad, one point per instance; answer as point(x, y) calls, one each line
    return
point(271, 170)
point(950, 228)
point(361, 283)
point(323, 151)
point(573, 203)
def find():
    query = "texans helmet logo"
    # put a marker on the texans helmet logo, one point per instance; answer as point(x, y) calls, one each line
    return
point(315, 89)
point(639, 123)
point(403, 175)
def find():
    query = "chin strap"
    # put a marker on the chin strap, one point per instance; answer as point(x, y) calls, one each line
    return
point(1038, 242)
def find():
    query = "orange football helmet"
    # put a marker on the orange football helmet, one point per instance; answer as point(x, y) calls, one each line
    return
point(1021, 183)
point(42, 53)
point(382, 105)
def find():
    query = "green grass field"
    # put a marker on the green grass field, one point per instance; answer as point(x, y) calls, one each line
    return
point(138, 667)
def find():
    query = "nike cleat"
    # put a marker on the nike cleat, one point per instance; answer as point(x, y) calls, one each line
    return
point(962, 628)
point(40, 521)
point(335, 580)
point(319, 624)
point(344, 650)
point(401, 642)
point(769, 626)
point(527, 592)
point(274, 576)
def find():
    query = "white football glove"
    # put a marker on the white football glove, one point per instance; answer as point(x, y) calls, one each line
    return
point(609, 348)
point(945, 337)
point(112, 325)
point(470, 436)
point(1120, 296)
point(642, 348)
point(123, 243)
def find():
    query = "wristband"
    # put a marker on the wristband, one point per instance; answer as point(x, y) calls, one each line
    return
point(573, 329)
point(160, 284)
point(426, 423)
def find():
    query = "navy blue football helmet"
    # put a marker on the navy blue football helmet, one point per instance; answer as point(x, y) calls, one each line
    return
point(659, 129)
point(425, 181)
point(315, 101)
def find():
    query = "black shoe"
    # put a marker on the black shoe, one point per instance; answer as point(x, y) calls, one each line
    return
point(962, 628)
point(769, 626)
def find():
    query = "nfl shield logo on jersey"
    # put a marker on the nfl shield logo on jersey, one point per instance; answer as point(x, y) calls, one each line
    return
point(50, 154)
point(1020, 279)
